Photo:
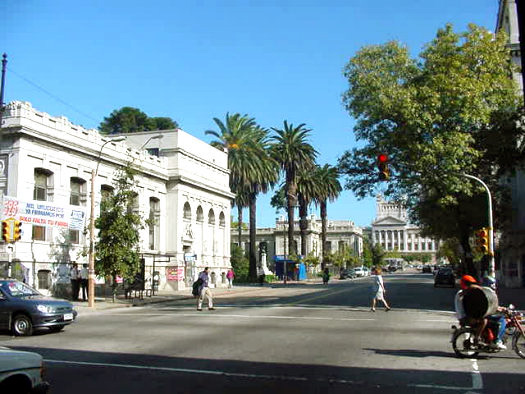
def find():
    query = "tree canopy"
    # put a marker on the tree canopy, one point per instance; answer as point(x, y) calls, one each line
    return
point(434, 117)
point(131, 120)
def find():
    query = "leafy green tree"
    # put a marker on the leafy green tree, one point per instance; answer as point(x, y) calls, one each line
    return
point(117, 251)
point(293, 152)
point(240, 264)
point(131, 120)
point(433, 117)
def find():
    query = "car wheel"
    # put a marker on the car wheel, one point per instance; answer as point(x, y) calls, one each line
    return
point(56, 328)
point(22, 326)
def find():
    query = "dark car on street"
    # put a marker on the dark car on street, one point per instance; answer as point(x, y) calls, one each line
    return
point(347, 274)
point(445, 276)
point(23, 309)
point(426, 269)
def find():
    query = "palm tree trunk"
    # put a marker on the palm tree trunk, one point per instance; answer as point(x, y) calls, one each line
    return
point(323, 231)
point(253, 233)
point(239, 229)
point(290, 198)
point(303, 223)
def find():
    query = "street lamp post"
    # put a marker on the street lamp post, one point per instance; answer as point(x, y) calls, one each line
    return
point(492, 265)
point(91, 265)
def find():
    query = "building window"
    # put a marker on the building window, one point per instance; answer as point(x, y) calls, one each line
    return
point(328, 247)
point(39, 233)
point(341, 246)
point(42, 184)
point(154, 216)
point(74, 236)
point(78, 192)
point(211, 217)
point(222, 220)
point(44, 279)
point(200, 214)
point(187, 211)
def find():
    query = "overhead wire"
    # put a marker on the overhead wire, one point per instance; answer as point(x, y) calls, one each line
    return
point(52, 95)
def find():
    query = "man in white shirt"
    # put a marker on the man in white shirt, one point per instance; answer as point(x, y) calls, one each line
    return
point(84, 281)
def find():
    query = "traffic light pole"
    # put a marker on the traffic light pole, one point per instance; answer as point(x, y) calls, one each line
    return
point(492, 265)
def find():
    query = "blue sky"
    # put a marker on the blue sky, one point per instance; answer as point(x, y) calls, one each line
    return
point(274, 60)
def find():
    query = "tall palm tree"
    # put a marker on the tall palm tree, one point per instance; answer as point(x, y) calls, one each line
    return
point(292, 151)
point(252, 170)
point(307, 190)
point(328, 189)
point(265, 176)
point(234, 137)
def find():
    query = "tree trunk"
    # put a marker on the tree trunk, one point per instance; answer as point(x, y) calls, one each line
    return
point(468, 261)
point(253, 233)
point(323, 231)
point(239, 229)
point(291, 201)
point(303, 222)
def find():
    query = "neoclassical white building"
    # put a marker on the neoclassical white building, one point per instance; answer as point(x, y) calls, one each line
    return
point(392, 230)
point(341, 234)
point(46, 164)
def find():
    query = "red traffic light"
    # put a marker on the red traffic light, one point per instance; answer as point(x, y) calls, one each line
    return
point(382, 158)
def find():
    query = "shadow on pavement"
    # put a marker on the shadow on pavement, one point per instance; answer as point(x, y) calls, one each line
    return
point(89, 372)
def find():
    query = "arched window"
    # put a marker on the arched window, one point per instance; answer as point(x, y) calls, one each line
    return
point(200, 214)
point(222, 221)
point(187, 211)
point(106, 191)
point(211, 217)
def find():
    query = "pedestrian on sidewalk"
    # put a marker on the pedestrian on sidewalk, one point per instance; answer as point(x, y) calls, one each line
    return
point(84, 281)
point(205, 291)
point(326, 276)
point(74, 277)
point(378, 291)
point(230, 275)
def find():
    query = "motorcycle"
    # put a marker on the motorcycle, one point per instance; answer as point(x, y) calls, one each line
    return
point(466, 345)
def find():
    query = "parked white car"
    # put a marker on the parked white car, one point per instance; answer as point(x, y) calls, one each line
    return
point(21, 372)
point(361, 271)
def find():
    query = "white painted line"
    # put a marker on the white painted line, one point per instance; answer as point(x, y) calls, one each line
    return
point(200, 371)
point(212, 314)
point(477, 382)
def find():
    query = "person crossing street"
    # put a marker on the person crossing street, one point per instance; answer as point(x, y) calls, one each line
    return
point(205, 291)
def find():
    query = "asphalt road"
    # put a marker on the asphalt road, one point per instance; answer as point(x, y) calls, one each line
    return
point(294, 339)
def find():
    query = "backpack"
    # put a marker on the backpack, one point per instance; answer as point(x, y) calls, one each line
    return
point(196, 285)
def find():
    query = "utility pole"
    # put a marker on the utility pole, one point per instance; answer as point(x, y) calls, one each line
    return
point(492, 264)
point(4, 65)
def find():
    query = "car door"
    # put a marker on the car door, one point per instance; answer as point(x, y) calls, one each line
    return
point(4, 311)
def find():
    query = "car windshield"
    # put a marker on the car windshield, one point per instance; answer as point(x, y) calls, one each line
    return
point(18, 289)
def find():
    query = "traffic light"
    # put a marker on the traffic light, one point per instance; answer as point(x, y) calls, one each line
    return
point(482, 240)
point(382, 166)
point(17, 231)
point(6, 231)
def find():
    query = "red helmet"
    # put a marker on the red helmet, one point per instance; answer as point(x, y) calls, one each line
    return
point(466, 281)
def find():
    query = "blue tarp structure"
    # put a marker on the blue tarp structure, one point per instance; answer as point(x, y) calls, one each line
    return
point(295, 271)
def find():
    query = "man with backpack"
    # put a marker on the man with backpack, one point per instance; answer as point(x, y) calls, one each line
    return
point(204, 290)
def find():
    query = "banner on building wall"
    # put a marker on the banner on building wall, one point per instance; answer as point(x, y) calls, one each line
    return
point(44, 213)
point(175, 273)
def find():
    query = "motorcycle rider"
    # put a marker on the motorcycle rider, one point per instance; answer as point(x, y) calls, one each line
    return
point(496, 320)
point(467, 282)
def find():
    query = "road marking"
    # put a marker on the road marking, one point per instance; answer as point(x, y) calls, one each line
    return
point(248, 316)
point(205, 372)
point(477, 382)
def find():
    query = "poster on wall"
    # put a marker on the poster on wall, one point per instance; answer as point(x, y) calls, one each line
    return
point(175, 273)
point(44, 213)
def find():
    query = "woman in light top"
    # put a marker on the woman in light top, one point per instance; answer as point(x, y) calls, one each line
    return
point(378, 291)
